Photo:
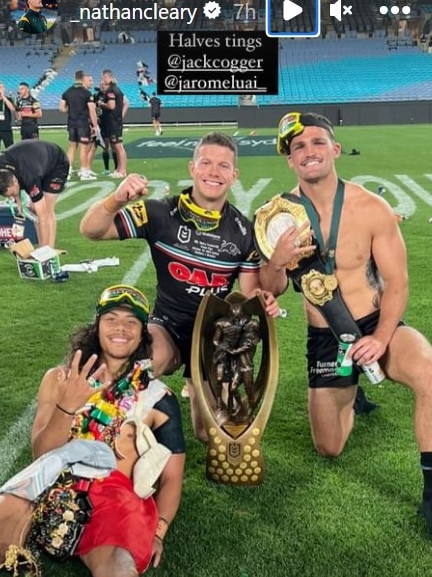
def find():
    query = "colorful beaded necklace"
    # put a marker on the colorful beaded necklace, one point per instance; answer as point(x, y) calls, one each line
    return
point(104, 413)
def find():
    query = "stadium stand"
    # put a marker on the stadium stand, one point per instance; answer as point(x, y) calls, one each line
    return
point(310, 72)
point(333, 69)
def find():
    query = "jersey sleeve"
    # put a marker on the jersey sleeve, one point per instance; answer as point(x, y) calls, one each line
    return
point(132, 220)
point(252, 262)
point(251, 258)
point(170, 433)
point(35, 105)
point(24, 24)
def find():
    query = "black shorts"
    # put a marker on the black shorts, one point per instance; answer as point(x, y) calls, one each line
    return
point(114, 133)
point(29, 132)
point(55, 181)
point(79, 134)
point(322, 350)
point(181, 334)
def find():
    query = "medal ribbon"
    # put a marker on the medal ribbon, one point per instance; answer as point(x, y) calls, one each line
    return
point(327, 254)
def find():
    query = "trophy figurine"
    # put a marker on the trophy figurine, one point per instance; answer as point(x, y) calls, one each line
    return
point(234, 368)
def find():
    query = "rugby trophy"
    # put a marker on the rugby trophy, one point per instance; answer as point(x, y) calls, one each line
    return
point(235, 364)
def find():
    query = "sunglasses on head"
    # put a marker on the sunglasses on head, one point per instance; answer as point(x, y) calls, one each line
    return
point(124, 295)
point(293, 124)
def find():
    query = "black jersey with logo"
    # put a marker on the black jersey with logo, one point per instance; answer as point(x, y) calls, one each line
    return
point(155, 106)
point(189, 262)
point(114, 94)
point(27, 104)
point(77, 98)
point(31, 161)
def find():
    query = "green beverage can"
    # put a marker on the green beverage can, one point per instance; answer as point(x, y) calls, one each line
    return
point(344, 364)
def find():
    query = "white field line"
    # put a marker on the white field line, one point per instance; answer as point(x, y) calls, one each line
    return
point(15, 440)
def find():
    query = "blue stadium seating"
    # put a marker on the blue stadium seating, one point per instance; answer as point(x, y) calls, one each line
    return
point(311, 71)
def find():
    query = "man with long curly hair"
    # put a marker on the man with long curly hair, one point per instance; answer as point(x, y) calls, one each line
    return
point(103, 397)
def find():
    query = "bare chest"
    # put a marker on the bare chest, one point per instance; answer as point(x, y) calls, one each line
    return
point(349, 243)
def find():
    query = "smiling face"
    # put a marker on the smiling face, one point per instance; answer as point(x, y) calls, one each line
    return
point(213, 171)
point(312, 154)
point(120, 333)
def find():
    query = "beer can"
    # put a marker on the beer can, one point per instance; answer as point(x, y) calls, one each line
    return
point(374, 373)
point(344, 363)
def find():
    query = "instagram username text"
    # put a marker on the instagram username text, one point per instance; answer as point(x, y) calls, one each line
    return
point(152, 12)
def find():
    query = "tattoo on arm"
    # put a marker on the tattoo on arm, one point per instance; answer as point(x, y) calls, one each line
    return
point(374, 280)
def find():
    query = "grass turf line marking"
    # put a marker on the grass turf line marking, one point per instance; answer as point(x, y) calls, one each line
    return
point(15, 440)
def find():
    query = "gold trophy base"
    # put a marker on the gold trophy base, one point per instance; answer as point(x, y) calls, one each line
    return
point(233, 462)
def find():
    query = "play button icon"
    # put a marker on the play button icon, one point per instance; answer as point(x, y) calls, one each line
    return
point(293, 18)
point(290, 10)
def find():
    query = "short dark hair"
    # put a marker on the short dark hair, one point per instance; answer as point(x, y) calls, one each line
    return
point(24, 84)
point(79, 75)
point(220, 139)
point(6, 179)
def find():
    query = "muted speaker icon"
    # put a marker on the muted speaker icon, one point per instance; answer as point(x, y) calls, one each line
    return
point(336, 10)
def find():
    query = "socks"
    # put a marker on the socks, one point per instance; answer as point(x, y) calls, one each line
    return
point(114, 155)
point(426, 465)
point(105, 158)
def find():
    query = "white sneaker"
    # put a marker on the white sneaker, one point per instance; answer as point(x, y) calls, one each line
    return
point(117, 174)
point(87, 176)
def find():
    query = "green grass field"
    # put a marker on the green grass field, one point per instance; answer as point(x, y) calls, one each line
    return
point(353, 516)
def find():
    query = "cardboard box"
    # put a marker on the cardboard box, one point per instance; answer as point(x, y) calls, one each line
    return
point(9, 231)
point(35, 264)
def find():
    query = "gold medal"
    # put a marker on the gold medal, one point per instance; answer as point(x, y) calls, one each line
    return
point(318, 287)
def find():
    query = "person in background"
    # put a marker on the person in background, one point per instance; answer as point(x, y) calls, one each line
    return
point(7, 107)
point(77, 102)
point(114, 106)
point(41, 169)
point(155, 113)
point(33, 21)
point(28, 110)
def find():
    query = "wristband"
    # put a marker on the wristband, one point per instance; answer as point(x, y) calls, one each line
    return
point(65, 411)
point(162, 528)
point(111, 204)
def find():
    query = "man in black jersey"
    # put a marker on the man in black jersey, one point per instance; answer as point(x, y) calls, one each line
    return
point(28, 111)
point(40, 169)
point(114, 106)
point(77, 102)
point(6, 108)
point(198, 242)
point(155, 113)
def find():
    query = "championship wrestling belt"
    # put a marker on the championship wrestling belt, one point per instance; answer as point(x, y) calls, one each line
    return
point(235, 391)
point(308, 272)
point(273, 219)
